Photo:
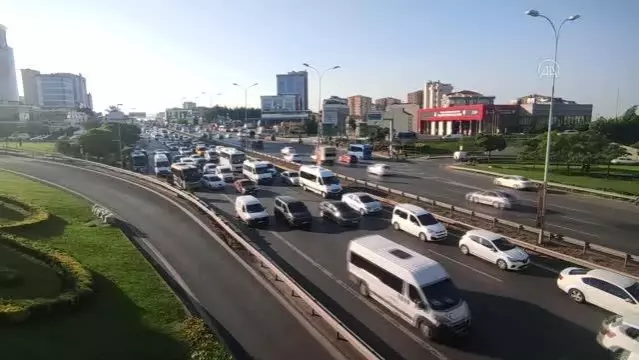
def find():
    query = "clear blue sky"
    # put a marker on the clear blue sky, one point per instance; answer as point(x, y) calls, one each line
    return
point(148, 55)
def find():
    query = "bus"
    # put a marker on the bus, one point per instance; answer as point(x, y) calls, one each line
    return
point(186, 177)
point(232, 157)
point(361, 151)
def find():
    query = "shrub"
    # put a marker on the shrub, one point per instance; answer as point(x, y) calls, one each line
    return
point(77, 283)
point(36, 214)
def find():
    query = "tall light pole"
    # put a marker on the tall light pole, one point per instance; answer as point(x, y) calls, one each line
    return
point(245, 99)
point(320, 125)
point(210, 97)
point(541, 214)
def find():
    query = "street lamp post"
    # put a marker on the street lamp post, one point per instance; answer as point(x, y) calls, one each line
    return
point(320, 127)
point(541, 214)
point(210, 97)
point(245, 100)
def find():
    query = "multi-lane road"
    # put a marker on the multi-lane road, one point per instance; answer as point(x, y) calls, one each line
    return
point(515, 315)
point(262, 327)
point(606, 222)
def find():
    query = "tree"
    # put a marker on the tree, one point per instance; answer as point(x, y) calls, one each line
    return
point(310, 126)
point(352, 126)
point(623, 130)
point(611, 152)
point(531, 151)
point(378, 134)
point(490, 143)
point(129, 134)
point(92, 124)
point(98, 142)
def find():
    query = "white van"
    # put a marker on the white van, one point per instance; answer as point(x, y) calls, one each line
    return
point(320, 181)
point(225, 172)
point(257, 171)
point(418, 222)
point(212, 156)
point(161, 164)
point(414, 287)
point(249, 209)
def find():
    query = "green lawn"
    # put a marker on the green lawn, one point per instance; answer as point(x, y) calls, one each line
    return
point(47, 147)
point(574, 177)
point(131, 316)
point(36, 278)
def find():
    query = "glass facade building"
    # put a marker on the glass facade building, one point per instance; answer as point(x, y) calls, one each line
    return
point(294, 83)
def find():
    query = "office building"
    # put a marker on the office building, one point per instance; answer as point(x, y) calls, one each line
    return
point(434, 92)
point(466, 97)
point(533, 114)
point(359, 105)
point(30, 86)
point(279, 103)
point(189, 105)
point(90, 101)
point(294, 83)
point(416, 97)
point(381, 104)
point(335, 112)
point(8, 80)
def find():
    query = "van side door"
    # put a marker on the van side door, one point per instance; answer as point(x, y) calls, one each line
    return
point(409, 303)
point(414, 227)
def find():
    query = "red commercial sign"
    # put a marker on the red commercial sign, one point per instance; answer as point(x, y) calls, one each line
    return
point(454, 113)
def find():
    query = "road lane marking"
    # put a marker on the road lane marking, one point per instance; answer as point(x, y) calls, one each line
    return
point(575, 219)
point(320, 338)
point(575, 230)
point(466, 266)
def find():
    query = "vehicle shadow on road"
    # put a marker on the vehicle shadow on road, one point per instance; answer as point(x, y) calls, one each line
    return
point(547, 336)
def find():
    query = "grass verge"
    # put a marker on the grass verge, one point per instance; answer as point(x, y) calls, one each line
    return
point(573, 177)
point(132, 315)
point(47, 147)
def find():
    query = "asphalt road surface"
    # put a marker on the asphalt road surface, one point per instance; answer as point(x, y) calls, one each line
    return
point(606, 222)
point(261, 325)
point(515, 315)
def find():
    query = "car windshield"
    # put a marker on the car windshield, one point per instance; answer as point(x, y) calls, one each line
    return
point(293, 174)
point(212, 178)
point(442, 295)
point(297, 207)
point(247, 184)
point(139, 160)
point(344, 209)
point(634, 290)
point(330, 180)
point(191, 175)
point(503, 244)
point(261, 170)
point(427, 219)
point(162, 164)
point(254, 208)
point(224, 170)
point(366, 199)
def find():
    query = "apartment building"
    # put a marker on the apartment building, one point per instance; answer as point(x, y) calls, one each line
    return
point(383, 103)
point(434, 92)
point(359, 105)
point(416, 97)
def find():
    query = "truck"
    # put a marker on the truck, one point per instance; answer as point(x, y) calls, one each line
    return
point(325, 155)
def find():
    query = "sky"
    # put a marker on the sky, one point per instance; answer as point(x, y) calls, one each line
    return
point(149, 55)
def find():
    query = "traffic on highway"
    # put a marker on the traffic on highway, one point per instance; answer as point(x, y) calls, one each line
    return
point(490, 295)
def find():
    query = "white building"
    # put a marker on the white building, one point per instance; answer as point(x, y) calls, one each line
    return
point(8, 80)
point(434, 92)
point(335, 111)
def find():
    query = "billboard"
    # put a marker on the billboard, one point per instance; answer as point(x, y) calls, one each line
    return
point(278, 103)
point(330, 116)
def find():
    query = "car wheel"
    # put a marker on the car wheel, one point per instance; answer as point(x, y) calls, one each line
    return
point(304, 188)
point(396, 226)
point(501, 264)
point(423, 237)
point(362, 212)
point(321, 214)
point(497, 205)
point(363, 289)
point(464, 250)
point(425, 330)
point(496, 182)
point(576, 295)
point(324, 195)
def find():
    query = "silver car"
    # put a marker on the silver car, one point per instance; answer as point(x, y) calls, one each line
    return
point(495, 198)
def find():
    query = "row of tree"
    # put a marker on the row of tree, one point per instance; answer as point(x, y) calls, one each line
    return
point(103, 142)
point(622, 130)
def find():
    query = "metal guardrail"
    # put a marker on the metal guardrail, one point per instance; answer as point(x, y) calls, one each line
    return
point(584, 245)
point(342, 331)
point(557, 186)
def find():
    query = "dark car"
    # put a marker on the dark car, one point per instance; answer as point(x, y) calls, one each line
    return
point(340, 213)
point(293, 212)
point(245, 187)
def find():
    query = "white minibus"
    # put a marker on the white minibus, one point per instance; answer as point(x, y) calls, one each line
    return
point(320, 181)
point(408, 284)
point(257, 171)
point(161, 165)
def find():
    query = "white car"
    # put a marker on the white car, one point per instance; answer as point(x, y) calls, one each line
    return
point(293, 157)
point(495, 198)
point(362, 202)
point(606, 289)
point(378, 169)
point(212, 182)
point(515, 182)
point(209, 168)
point(495, 249)
point(287, 150)
point(619, 334)
point(624, 161)
point(291, 177)
point(228, 135)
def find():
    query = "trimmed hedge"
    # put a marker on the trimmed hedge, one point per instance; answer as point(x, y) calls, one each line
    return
point(36, 213)
point(77, 283)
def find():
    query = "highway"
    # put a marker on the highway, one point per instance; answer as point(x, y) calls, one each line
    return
point(606, 222)
point(261, 325)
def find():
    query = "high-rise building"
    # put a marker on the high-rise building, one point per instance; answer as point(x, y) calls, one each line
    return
point(8, 80)
point(382, 103)
point(294, 83)
point(90, 101)
point(416, 97)
point(60, 90)
point(434, 92)
point(359, 105)
point(30, 86)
